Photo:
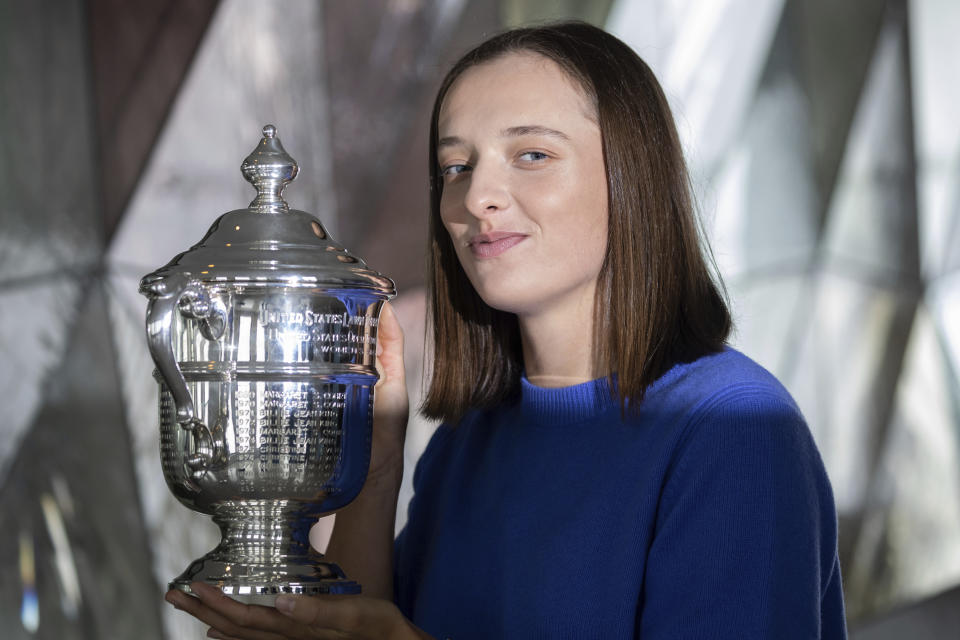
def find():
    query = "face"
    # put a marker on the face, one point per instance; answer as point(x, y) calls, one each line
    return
point(524, 196)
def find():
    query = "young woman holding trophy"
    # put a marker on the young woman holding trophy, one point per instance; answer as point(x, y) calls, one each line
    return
point(606, 467)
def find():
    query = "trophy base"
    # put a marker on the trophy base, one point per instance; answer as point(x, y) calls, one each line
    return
point(261, 584)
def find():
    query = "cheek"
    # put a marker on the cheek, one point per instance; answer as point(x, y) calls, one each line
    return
point(448, 217)
point(445, 216)
point(452, 210)
point(455, 231)
point(585, 237)
point(582, 227)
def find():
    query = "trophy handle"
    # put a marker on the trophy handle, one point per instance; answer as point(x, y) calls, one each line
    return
point(192, 299)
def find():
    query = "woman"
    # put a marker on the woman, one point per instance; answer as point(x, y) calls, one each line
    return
point(607, 467)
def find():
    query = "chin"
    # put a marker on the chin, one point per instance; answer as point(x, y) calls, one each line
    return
point(509, 300)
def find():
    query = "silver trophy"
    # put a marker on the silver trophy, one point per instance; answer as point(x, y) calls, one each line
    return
point(264, 336)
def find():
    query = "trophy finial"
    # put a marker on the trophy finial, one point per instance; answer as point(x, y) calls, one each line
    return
point(269, 168)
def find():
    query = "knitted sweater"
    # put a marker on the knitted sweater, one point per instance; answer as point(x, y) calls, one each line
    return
point(706, 514)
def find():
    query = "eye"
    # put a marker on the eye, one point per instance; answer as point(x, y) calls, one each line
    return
point(533, 156)
point(451, 170)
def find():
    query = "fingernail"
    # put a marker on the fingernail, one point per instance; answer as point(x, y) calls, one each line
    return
point(379, 349)
point(284, 604)
point(213, 633)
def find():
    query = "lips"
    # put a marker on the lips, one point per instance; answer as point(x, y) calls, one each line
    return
point(491, 245)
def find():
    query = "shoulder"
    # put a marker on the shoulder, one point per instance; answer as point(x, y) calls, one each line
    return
point(744, 435)
point(726, 406)
point(742, 440)
point(721, 376)
point(727, 383)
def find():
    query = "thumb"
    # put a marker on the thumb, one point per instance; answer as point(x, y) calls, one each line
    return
point(389, 331)
point(390, 345)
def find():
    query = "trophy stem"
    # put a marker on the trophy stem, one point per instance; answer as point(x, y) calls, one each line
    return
point(265, 551)
point(257, 530)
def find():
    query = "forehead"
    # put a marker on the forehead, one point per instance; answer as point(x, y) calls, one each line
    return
point(514, 87)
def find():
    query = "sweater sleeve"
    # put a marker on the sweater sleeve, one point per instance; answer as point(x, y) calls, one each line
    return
point(408, 545)
point(745, 542)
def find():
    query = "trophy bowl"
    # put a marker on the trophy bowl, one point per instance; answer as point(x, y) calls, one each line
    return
point(264, 336)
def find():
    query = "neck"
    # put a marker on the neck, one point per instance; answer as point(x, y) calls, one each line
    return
point(558, 345)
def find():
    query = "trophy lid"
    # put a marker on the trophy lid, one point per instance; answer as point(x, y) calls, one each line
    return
point(268, 242)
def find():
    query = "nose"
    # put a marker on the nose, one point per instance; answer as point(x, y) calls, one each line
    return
point(487, 192)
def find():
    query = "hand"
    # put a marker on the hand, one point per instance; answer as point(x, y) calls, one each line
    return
point(391, 406)
point(299, 617)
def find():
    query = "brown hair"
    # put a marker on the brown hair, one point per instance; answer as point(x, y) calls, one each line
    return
point(656, 303)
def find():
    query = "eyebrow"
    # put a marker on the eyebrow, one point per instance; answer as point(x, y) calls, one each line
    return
point(533, 130)
point(509, 132)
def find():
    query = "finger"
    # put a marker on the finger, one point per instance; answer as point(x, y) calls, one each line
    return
point(313, 612)
point(226, 619)
point(246, 617)
point(350, 615)
point(391, 389)
point(389, 325)
point(390, 341)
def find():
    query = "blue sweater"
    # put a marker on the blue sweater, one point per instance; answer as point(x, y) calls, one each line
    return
point(708, 514)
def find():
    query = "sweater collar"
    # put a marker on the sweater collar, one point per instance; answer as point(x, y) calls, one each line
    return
point(565, 405)
point(580, 402)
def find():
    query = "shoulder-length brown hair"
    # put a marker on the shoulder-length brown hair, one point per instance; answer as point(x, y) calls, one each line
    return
point(656, 303)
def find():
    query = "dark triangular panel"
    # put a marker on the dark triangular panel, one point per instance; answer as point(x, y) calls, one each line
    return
point(835, 42)
point(873, 232)
point(141, 52)
point(77, 563)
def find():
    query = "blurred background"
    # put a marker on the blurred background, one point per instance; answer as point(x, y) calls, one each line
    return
point(824, 143)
